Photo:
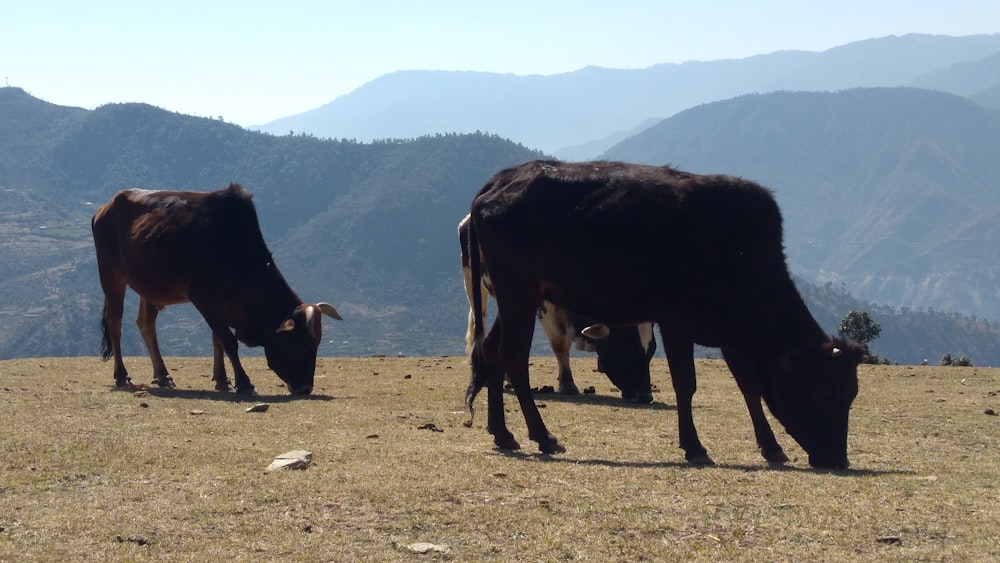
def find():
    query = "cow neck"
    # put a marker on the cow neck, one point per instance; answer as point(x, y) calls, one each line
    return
point(789, 325)
point(276, 300)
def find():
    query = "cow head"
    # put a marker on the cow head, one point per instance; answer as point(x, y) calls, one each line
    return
point(291, 349)
point(811, 395)
point(623, 354)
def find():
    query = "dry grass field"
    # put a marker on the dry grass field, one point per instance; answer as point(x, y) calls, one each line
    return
point(90, 473)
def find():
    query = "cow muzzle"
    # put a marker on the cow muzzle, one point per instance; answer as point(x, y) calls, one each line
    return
point(303, 390)
point(824, 462)
point(638, 397)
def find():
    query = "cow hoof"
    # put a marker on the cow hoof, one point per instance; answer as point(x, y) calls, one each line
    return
point(552, 447)
point(225, 387)
point(701, 459)
point(246, 390)
point(568, 389)
point(165, 382)
point(508, 443)
point(777, 457)
point(839, 463)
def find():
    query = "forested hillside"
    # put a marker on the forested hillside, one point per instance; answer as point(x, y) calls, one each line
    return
point(369, 227)
point(893, 192)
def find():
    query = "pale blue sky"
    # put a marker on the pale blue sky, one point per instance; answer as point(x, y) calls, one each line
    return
point(252, 61)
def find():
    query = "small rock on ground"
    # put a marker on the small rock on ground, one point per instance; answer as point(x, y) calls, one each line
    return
point(296, 459)
point(426, 547)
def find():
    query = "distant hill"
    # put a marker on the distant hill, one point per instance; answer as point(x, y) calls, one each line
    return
point(587, 150)
point(989, 98)
point(892, 192)
point(558, 113)
point(368, 227)
point(908, 336)
point(972, 79)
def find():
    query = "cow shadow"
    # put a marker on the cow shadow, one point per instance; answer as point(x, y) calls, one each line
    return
point(683, 464)
point(595, 399)
point(230, 397)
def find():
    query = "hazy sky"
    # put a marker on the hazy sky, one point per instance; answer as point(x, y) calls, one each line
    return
point(252, 61)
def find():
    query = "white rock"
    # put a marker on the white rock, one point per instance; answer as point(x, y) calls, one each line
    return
point(425, 547)
point(296, 459)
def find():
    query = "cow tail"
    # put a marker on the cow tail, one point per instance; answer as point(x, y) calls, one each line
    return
point(478, 355)
point(105, 338)
point(106, 351)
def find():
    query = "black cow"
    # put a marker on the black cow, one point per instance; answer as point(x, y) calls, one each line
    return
point(622, 354)
point(701, 255)
point(206, 248)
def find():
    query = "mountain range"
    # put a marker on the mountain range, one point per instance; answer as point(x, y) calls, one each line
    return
point(888, 194)
point(596, 107)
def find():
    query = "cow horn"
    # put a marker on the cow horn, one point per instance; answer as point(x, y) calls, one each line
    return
point(329, 310)
point(836, 352)
point(310, 315)
point(596, 331)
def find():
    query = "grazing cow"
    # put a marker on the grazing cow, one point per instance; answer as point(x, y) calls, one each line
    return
point(203, 247)
point(623, 354)
point(701, 256)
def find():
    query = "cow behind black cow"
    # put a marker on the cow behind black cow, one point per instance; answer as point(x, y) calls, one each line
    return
point(712, 271)
point(623, 354)
point(625, 351)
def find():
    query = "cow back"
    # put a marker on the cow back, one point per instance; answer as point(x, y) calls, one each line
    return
point(654, 243)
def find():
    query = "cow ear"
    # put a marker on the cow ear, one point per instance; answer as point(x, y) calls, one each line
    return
point(328, 310)
point(286, 326)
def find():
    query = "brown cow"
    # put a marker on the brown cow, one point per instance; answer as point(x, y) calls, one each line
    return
point(205, 248)
point(701, 256)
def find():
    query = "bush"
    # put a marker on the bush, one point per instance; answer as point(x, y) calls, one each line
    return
point(948, 360)
point(860, 326)
point(875, 359)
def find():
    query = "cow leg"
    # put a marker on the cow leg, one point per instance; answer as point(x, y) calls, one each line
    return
point(113, 310)
point(648, 341)
point(749, 384)
point(111, 319)
point(485, 295)
point(145, 319)
point(515, 349)
point(219, 366)
point(680, 359)
point(496, 420)
point(231, 346)
point(561, 342)
point(225, 338)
